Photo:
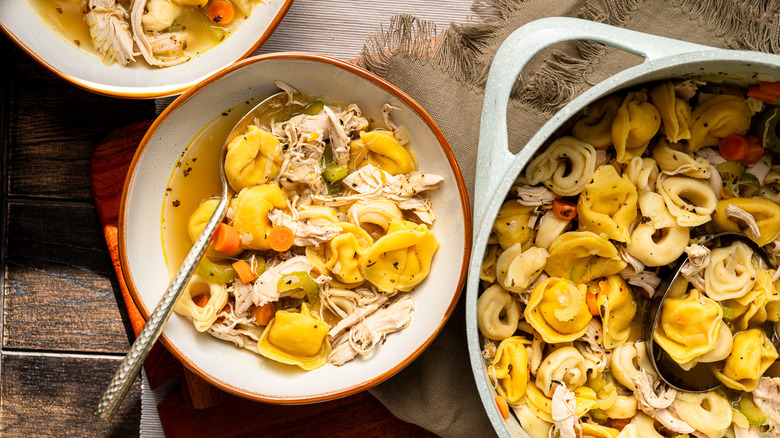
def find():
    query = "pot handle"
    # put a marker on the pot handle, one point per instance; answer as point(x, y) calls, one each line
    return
point(493, 156)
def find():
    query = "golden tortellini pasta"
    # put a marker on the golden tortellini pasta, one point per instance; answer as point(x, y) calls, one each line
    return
point(318, 215)
point(617, 307)
point(509, 370)
point(688, 326)
point(541, 405)
point(534, 426)
point(765, 213)
point(497, 313)
point(642, 172)
point(517, 269)
point(657, 239)
point(250, 216)
point(690, 200)
point(374, 216)
point(197, 222)
point(595, 126)
point(582, 256)
point(594, 430)
point(563, 366)
point(707, 412)
point(673, 160)
point(716, 118)
point(750, 357)
point(731, 273)
point(383, 150)
point(512, 224)
point(628, 360)
point(751, 308)
point(342, 256)
point(565, 167)
point(636, 123)
point(675, 112)
point(608, 204)
point(402, 258)
point(296, 338)
point(202, 317)
point(557, 310)
point(252, 158)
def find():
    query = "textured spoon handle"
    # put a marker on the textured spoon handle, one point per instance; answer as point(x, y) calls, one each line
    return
point(128, 369)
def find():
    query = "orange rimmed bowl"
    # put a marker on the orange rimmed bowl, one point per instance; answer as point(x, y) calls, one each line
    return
point(141, 244)
point(137, 80)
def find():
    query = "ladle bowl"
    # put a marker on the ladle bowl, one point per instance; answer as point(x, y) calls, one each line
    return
point(700, 377)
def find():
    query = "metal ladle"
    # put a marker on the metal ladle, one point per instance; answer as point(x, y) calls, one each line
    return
point(701, 377)
point(128, 369)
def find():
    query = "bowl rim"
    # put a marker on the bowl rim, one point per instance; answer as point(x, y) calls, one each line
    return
point(389, 88)
point(140, 95)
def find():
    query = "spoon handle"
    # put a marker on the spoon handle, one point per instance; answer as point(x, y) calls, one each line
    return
point(128, 369)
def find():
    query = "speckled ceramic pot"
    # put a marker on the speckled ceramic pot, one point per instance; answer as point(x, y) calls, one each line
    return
point(497, 168)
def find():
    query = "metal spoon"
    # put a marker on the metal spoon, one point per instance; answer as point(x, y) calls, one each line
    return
point(128, 369)
point(699, 378)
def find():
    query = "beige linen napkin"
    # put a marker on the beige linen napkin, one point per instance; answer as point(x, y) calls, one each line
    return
point(437, 390)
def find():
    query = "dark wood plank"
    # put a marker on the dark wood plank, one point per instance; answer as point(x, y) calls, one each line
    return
point(42, 396)
point(59, 291)
point(358, 416)
point(54, 126)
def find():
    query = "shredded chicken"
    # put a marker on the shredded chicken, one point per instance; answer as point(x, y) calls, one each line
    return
point(739, 214)
point(264, 289)
point(238, 330)
point(593, 344)
point(761, 168)
point(489, 350)
point(534, 195)
point(715, 181)
point(766, 396)
point(645, 280)
point(389, 123)
point(686, 89)
point(339, 142)
point(564, 413)
point(163, 50)
point(655, 399)
point(693, 268)
point(304, 233)
point(633, 265)
point(712, 156)
point(110, 31)
point(369, 333)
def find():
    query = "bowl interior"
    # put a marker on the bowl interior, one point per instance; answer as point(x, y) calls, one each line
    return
point(144, 264)
point(740, 68)
point(138, 79)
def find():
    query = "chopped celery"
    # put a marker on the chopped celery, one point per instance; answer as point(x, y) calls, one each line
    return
point(216, 272)
point(728, 312)
point(731, 173)
point(599, 414)
point(313, 108)
point(216, 33)
point(257, 263)
point(334, 173)
point(754, 415)
point(300, 280)
point(597, 384)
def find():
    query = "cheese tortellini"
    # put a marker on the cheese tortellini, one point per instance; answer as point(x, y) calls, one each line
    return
point(342, 256)
point(690, 200)
point(608, 204)
point(617, 307)
point(509, 369)
point(765, 214)
point(636, 123)
point(296, 338)
point(383, 150)
point(402, 258)
point(718, 117)
point(595, 126)
point(252, 158)
point(565, 167)
point(203, 317)
point(750, 356)
point(582, 256)
point(251, 209)
point(497, 313)
point(557, 310)
point(688, 326)
point(675, 112)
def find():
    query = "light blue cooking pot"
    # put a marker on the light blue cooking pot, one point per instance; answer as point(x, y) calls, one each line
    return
point(497, 168)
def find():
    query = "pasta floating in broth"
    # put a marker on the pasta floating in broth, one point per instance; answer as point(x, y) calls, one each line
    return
point(578, 249)
point(317, 260)
point(161, 33)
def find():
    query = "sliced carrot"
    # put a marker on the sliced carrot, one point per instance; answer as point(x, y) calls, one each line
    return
point(244, 271)
point(564, 209)
point(201, 300)
point(221, 12)
point(619, 424)
point(280, 238)
point(593, 306)
point(733, 147)
point(767, 92)
point(263, 314)
point(503, 407)
point(227, 239)
point(755, 151)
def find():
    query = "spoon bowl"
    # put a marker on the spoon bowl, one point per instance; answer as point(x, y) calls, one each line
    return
point(131, 365)
point(701, 377)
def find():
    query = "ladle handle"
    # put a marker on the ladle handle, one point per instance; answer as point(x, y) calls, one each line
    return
point(123, 378)
point(493, 156)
